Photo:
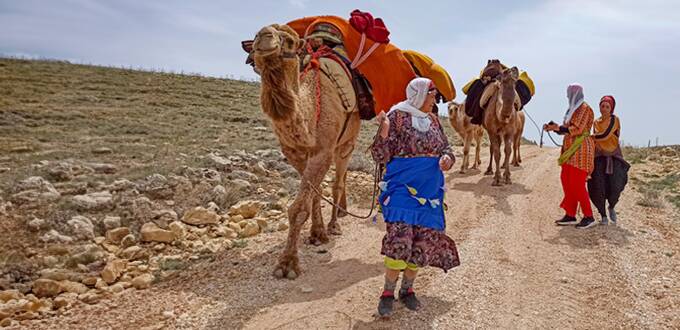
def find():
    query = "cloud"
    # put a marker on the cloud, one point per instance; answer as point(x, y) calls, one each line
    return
point(298, 3)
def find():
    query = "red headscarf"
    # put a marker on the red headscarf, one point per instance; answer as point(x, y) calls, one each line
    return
point(609, 99)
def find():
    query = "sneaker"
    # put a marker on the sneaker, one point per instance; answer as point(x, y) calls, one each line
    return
point(612, 215)
point(385, 306)
point(586, 222)
point(566, 221)
point(408, 298)
point(605, 221)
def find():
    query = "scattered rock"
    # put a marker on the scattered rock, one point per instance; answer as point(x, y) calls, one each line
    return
point(143, 281)
point(219, 162)
point(73, 287)
point(90, 297)
point(262, 223)
point(235, 227)
point(134, 253)
point(57, 274)
point(85, 255)
point(201, 216)
point(226, 231)
point(128, 241)
point(35, 189)
point(81, 227)
point(283, 226)
point(46, 288)
point(163, 217)
point(113, 270)
point(54, 236)
point(178, 229)
point(213, 207)
point(103, 168)
point(61, 302)
point(37, 224)
point(168, 315)
point(152, 233)
point(306, 289)
point(241, 184)
point(21, 149)
point(93, 201)
point(121, 185)
point(89, 281)
point(111, 222)
point(246, 209)
point(102, 151)
point(251, 229)
point(243, 175)
point(10, 294)
point(117, 288)
point(116, 235)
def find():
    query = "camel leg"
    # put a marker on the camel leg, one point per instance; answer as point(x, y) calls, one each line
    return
point(466, 153)
point(343, 201)
point(508, 151)
point(478, 148)
point(496, 148)
point(314, 172)
point(339, 188)
point(317, 234)
point(489, 170)
point(518, 141)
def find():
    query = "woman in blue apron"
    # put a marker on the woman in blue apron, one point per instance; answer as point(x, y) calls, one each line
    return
point(412, 145)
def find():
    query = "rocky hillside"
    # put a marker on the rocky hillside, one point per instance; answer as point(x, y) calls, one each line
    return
point(112, 180)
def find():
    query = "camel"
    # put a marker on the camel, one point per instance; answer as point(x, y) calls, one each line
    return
point(467, 131)
point(313, 135)
point(501, 120)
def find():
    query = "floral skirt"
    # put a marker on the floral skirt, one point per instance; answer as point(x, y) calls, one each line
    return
point(419, 245)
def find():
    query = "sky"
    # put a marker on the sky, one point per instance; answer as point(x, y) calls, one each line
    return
point(630, 49)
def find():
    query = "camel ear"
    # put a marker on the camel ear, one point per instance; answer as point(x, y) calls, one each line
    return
point(514, 73)
point(488, 62)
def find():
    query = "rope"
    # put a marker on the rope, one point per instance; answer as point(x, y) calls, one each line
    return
point(376, 178)
point(315, 65)
point(540, 131)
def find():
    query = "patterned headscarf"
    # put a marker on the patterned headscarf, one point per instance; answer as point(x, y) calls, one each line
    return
point(416, 93)
point(609, 99)
point(575, 96)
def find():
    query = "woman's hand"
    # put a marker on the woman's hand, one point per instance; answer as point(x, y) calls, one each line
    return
point(384, 124)
point(551, 127)
point(445, 162)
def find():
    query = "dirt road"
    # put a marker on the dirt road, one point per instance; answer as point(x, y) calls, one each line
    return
point(518, 271)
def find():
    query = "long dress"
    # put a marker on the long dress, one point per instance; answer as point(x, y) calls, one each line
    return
point(412, 197)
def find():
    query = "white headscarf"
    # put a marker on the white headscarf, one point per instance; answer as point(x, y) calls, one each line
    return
point(416, 93)
point(575, 96)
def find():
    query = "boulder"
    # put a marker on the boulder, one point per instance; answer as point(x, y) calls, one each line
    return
point(201, 216)
point(150, 232)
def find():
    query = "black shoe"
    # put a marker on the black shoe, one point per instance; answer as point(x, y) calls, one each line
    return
point(385, 305)
point(566, 221)
point(586, 222)
point(408, 298)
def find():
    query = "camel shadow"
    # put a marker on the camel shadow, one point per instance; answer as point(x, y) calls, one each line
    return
point(592, 237)
point(403, 318)
point(499, 194)
point(468, 173)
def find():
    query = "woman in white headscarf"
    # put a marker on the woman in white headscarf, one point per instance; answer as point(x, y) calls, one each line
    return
point(414, 149)
point(577, 158)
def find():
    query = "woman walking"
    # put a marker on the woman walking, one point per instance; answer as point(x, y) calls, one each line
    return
point(610, 175)
point(576, 160)
point(415, 150)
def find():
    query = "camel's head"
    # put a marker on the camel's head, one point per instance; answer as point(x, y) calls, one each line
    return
point(453, 107)
point(509, 99)
point(276, 45)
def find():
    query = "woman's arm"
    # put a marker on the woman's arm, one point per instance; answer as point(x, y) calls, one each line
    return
point(612, 128)
point(383, 149)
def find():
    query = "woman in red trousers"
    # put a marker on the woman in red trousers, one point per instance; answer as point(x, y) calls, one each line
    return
point(577, 158)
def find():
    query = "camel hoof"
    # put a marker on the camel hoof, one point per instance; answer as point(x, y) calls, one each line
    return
point(462, 172)
point(488, 172)
point(288, 268)
point(334, 229)
point(317, 239)
point(508, 181)
point(342, 214)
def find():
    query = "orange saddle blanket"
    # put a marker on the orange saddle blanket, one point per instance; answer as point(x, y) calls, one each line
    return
point(386, 68)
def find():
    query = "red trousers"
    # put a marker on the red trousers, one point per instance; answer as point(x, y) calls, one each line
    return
point(575, 192)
